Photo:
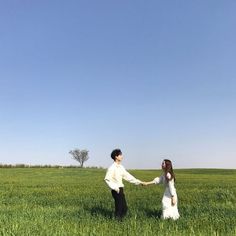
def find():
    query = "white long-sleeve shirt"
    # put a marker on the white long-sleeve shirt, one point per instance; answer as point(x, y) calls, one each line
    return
point(115, 174)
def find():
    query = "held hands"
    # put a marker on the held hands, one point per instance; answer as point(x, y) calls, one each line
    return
point(143, 183)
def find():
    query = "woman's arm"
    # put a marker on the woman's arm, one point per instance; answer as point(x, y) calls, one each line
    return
point(157, 180)
point(148, 183)
point(172, 189)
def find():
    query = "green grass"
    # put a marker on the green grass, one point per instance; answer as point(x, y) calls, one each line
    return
point(72, 201)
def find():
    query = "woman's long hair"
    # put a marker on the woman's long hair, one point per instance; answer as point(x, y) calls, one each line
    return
point(169, 169)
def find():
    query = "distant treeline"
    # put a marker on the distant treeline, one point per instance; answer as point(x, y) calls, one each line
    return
point(45, 166)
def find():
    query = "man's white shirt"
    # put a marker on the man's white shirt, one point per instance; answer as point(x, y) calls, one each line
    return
point(115, 173)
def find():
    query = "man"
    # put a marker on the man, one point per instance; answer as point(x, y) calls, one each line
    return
point(115, 173)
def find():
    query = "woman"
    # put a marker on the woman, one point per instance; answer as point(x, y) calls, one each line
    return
point(169, 200)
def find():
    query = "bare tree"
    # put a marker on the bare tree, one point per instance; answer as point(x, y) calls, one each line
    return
point(80, 155)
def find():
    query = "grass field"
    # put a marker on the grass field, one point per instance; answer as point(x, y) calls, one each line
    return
point(73, 201)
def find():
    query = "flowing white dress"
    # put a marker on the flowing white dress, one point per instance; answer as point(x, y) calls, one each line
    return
point(168, 211)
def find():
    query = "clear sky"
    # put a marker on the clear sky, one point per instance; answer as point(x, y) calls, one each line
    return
point(154, 78)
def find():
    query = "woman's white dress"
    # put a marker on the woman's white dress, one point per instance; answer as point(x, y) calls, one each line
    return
point(168, 211)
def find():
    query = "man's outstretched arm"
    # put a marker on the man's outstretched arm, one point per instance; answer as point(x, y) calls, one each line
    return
point(130, 178)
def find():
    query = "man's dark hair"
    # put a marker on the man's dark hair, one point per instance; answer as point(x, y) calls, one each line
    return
point(115, 153)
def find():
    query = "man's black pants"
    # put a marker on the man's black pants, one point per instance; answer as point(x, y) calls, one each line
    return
point(120, 203)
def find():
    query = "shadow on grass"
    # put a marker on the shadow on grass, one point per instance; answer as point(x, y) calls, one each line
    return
point(152, 213)
point(100, 211)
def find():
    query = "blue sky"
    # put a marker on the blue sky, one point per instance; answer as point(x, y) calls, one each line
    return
point(156, 79)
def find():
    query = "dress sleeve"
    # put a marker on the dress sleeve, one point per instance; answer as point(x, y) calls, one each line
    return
point(130, 178)
point(109, 180)
point(168, 176)
point(158, 180)
point(171, 185)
